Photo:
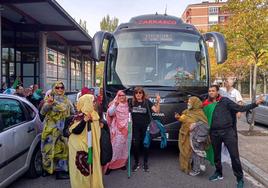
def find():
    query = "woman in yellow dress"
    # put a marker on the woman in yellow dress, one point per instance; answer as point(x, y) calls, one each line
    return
point(84, 146)
point(192, 114)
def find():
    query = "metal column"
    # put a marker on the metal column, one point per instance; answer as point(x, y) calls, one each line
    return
point(83, 70)
point(43, 60)
point(68, 61)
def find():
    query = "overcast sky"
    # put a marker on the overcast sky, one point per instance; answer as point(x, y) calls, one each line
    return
point(94, 10)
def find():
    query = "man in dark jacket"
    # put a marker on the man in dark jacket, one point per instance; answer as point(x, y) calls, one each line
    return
point(222, 131)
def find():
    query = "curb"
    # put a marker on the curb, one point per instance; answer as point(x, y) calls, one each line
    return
point(254, 171)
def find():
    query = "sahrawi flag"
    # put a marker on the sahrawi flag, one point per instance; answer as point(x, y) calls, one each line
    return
point(90, 151)
point(209, 108)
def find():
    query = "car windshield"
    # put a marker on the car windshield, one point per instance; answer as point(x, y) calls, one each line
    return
point(164, 58)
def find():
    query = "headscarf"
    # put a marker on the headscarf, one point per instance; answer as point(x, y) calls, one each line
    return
point(37, 94)
point(122, 108)
point(62, 107)
point(196, 112)
point(85, 105)
point(84, 91)
point(57, 83)
point(116, 99)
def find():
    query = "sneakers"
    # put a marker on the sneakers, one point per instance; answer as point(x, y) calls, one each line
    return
point(194, 173)
point(216, 176)
point(145, 167)
point(203, 168)
point(135, 167)
point(240, 183)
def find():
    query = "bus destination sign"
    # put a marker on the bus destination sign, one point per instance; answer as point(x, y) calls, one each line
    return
point(156, 22)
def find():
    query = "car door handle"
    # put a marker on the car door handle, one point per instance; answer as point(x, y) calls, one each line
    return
point(30, 129)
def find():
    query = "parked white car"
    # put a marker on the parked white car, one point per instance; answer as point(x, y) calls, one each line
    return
point(20, 136)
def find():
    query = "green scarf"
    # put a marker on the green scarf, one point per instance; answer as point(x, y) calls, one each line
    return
point(208, 110)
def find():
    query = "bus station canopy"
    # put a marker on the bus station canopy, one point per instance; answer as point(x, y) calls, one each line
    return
point(46, 16)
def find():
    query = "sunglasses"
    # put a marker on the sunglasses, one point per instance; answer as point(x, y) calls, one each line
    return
point(138, 92)
point(57, 87)
point(121, 95)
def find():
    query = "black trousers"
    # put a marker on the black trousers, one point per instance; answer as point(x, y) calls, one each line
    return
point(229, 138)
point(138, 134)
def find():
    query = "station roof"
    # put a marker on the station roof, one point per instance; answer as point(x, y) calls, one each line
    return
point(45, 15)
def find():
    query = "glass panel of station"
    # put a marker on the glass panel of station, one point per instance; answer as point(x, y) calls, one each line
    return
point(76, 70)
point(56, 68)
point(19, 56)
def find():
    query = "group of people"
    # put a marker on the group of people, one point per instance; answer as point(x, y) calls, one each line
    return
point(33, 93)
point(70, 140)
point(206, 126)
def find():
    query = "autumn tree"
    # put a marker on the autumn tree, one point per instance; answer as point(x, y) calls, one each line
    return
point(100, 72)
point(247, 33)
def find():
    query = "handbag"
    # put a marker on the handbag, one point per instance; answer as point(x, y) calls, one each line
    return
point(153, 128)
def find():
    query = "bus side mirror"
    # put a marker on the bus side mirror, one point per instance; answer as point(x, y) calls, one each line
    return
point(97, 43)
point(219, 45)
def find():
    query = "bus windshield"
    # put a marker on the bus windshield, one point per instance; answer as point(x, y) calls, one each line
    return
point(157, 58)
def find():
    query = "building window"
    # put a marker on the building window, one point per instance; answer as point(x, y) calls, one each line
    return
point(213, 19)
point(213, 10)
point(51, 67)
point(88, 79)
point(76, 74)
point(222, 19)
point(56, 67)
point(62, 68)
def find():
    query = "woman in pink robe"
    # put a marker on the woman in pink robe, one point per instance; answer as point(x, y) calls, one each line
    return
point(117, 119)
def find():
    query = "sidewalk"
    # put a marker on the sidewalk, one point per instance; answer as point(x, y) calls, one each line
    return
point(254, 153)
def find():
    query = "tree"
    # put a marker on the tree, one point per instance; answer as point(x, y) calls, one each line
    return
point(108, 24)
point(247, 28)
point(83, 24)
point(100, 72)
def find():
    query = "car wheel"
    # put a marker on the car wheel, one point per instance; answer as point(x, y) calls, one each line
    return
point(35, 169)
point(249, 117)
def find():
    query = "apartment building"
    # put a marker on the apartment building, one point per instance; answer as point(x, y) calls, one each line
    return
point(204, 15)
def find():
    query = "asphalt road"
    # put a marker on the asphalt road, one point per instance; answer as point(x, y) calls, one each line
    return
point(164, 173)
